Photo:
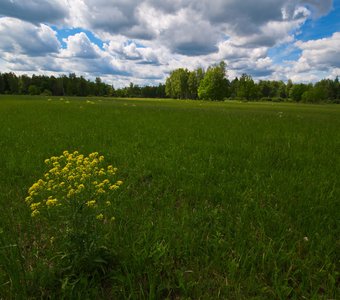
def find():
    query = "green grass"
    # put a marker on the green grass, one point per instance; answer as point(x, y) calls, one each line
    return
point(220, 200)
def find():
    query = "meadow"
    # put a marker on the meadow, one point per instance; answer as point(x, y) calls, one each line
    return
point(221, 200)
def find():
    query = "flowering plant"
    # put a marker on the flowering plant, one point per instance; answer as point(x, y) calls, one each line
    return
point(74, 201)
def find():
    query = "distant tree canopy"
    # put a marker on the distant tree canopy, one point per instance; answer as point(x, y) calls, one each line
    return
point(72, 85)
point(210, 84)
point(213, 84)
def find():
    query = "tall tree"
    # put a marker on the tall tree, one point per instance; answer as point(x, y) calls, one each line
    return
point(2, 84)
point(297, 91)
point(176, 85)
point(194, 80)
point(247, 88)
point(214, 85)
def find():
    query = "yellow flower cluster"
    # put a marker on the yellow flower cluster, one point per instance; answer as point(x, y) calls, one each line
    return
point(73, 178)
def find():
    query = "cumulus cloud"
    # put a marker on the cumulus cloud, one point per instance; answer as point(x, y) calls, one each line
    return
point(320, 54)
point(86, 57)
point(189, 35)
point(125, 50)
point(149, 38)
point(35, 11)
point(195, 27)
point(24, 38)
point(79, 45)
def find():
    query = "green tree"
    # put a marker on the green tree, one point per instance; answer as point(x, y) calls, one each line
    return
point(337, 88)
point(11, 83)
point(297, 91)
point(33, 90)
point(233, 87)
point(194, 80)
point(289, 86)
point(2, 84)
point(176, 85)
point(247, 88)
point(24, 83)
point(315, 94)
point(281, 91)
point(214, 85)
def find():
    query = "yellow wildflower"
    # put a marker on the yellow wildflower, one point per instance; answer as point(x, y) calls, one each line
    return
point(34, 206)
point(51, 202)
point(53, 170)
point(119, 182)
point(113, 187)
point(28, 199)
point(91, 203)
point(100, 191)
point(93, 155)
point(65, 170)
point(101, 173)
point(108, 203)
point(100, 217)
point(33, 188)
point(35, 212)
point(70, 193)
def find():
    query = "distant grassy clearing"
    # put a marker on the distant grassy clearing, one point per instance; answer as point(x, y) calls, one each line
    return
point(230, 200)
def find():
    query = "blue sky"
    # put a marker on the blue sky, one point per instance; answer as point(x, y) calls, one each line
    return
point(143, 40)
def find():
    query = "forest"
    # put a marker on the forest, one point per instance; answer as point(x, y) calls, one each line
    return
point(209, 84)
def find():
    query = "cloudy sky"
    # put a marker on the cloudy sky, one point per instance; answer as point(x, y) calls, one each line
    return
point(143, 40)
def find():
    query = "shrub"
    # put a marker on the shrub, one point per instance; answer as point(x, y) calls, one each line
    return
point(46, 92)
point(33, 90)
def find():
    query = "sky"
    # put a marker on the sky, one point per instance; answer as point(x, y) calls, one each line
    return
point(142, 41)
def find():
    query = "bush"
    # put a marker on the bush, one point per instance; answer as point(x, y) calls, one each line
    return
point(266, 99)
point(46, 93)
point(33, 90)
point(277, 99)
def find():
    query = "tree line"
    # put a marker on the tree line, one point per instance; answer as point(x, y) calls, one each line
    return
point(72, 85)
point(213, 84)
point(209, 84)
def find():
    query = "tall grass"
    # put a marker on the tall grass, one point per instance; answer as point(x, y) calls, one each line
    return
point(220, 200)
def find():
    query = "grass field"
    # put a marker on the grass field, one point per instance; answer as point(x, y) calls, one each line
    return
point(220, 200)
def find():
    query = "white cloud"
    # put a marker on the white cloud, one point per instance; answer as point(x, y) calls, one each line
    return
point(145, 39)
point(20, 37)
point(196, 27)
point(319, 54)
point(35, 11)
point(80, 46)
